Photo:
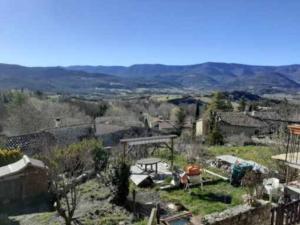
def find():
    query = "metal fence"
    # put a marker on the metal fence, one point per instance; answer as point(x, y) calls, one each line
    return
point(286, 214)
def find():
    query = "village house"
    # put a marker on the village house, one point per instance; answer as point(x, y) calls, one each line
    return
point(235, 123)
point(44, 140)
point(165, 126)
point(23, 180)
point(111, 129)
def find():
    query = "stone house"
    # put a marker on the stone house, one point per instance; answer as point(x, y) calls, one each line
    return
point(23, 180)
point(38, 142)
point(235, 123)
point(165, 126)
point(111, 129)
point(71, 134)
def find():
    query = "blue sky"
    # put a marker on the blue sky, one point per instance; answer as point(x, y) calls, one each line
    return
point(125, 32)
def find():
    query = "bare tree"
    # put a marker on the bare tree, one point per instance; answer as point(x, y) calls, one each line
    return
point(165, 110)
point(34, 114)
point(68, 168)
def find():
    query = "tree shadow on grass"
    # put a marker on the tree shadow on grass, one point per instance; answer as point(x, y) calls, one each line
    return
point(37, 205)
point(212, 197)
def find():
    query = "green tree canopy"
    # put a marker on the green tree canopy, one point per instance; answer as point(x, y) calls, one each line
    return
point(219, 103)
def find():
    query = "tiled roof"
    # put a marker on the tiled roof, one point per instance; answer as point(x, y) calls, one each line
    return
point(118, 120)
point(266, 115)
point(20, 165)
point(33, 143)
point(166, 124)
point(240, 119)
point(68, 135)
point(29, 143)
point(102, 129)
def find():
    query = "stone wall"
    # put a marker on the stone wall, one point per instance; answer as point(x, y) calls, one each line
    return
point(242, 214)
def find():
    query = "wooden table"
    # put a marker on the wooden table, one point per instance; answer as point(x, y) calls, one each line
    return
point(149, 162)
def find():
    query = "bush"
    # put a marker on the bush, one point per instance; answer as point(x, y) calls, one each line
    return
point(116, 178)
point(252, 181)
point(9, 156)
point(86, 154)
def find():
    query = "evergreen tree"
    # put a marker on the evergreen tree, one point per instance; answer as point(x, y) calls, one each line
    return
point(242, 105)
point(180, 118)
point(120, 183)
point(215, 137)
point(219, 103)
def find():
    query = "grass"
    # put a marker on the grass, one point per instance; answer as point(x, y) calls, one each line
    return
point(259, 154)
point(141, 222)
point(198, 202)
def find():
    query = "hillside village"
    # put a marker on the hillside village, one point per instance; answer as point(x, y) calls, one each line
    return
point(153, 159)
point(160, 112)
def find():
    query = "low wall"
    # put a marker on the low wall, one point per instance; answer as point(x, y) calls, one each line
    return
point(242, 214)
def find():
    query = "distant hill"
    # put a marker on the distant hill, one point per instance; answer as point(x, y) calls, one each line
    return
point(56, 79)
point(199, 77)
point(210, 76)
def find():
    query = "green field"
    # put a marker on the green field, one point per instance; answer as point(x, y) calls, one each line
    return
point(259, 154)
point(200, 202)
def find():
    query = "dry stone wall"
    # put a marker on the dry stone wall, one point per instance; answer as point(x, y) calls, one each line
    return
point(242, 214)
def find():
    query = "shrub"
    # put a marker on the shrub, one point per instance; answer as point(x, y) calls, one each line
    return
point(84, 154)
point(252, 181)
point(9, 156)
point(116, 178)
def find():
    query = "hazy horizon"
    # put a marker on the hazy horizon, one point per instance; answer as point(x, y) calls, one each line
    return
point(112, 65)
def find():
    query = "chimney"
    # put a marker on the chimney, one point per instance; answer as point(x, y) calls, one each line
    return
point(57, 122)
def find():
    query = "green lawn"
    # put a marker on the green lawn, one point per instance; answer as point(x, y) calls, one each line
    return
point(198, 201)
point(259, 154)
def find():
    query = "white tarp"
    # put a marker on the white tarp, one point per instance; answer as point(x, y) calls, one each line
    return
point(230, 159)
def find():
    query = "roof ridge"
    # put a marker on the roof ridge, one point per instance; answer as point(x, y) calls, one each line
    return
point(26, 159)
point(9, 168)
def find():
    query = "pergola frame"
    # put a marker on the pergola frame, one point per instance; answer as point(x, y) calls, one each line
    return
point(165, 140)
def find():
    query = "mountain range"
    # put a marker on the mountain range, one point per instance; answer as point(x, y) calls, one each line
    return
point(206, 76)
